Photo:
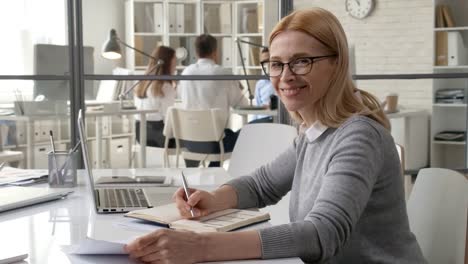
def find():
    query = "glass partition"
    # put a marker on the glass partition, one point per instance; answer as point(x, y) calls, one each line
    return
point(26, 120)
point(37, 44)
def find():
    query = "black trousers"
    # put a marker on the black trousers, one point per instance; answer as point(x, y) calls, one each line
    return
point(154, 134)
point(229, 141)
point(268, 119)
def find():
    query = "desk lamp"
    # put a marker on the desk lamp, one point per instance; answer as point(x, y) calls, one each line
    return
point(238, 41)
point(111, 50)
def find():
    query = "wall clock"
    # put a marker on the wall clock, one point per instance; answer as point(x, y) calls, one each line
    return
point(359, 8)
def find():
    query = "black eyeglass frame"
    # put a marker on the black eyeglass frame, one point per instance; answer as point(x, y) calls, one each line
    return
point(312, 59)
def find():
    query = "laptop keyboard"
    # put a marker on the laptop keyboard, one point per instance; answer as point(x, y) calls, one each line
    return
point(123, 198)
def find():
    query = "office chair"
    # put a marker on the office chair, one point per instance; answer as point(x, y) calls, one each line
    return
point(406, 178)
point(198, 126)
point(259, 144)
point(437, 213)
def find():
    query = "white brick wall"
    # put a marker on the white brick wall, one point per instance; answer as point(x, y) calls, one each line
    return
point(397, 38)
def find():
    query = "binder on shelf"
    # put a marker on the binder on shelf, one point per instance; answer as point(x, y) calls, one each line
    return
point(158, 17)
point(456, 51)
point(441, 48)
point(149, 19)
point(448, 18)
point(439, 17)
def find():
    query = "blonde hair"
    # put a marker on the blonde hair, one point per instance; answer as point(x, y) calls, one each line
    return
point(339, 102)
point(166, 54)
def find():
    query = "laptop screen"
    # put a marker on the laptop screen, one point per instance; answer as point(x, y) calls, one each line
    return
point(84, 149)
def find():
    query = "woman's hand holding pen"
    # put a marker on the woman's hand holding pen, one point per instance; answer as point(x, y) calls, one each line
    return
point(201, 202)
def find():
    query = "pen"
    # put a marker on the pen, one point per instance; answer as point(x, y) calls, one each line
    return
point(62, 169)
point(185, 185)
point(51, 136)
point(76, 146)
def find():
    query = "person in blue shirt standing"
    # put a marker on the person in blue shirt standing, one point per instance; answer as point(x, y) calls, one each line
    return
point(263, 92)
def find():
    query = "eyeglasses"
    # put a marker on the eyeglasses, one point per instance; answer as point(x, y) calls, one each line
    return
point(299, 66)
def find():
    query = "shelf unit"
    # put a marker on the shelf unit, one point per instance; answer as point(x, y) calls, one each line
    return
point(176, 23)
point(450, 117)
point(117, 134)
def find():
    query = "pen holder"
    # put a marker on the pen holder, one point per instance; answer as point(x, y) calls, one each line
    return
point(62, 168)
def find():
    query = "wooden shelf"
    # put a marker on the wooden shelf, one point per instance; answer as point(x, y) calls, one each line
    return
point(449, 105)
point(455, 143)
point(451, 29)
point(148, 34)
point(458, 67)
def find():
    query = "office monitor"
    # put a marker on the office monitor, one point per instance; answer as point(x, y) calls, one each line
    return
point(54, 60)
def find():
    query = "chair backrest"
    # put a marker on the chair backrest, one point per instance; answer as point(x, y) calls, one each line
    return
point(401, 155)
point(194, 125)
point(406, 178)
point(259, 144)
point(437, 211)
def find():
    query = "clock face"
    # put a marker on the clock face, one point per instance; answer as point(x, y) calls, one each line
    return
point(181, 53)
point(359, 8)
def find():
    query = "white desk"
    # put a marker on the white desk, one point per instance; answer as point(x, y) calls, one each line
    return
point(41, 230)
point(244, 113)
point(31, 119)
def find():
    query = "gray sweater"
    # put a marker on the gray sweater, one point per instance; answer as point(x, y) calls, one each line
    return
point(347, 199)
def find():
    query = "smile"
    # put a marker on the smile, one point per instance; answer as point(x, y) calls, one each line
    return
point(291, 91)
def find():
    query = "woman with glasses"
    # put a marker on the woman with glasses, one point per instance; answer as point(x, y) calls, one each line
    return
point(347, 201)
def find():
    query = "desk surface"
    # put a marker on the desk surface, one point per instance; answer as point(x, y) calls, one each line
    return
point(408, 113)
point(87, 113)
point(254, 112)
point(42, 229)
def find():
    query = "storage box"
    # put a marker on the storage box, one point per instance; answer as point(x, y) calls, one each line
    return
point(120, 152)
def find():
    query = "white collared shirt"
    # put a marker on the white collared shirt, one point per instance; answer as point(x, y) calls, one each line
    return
point(210, 94)
point(152, 102)
point(315, 131)
point(317, 128)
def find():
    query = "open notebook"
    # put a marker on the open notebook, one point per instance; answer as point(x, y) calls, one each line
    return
point(221, 221)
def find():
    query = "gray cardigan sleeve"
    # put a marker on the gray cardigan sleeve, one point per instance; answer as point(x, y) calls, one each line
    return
point(355, 161)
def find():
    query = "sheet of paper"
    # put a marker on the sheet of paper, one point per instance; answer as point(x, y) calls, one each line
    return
point(137, 225)
point(13, 175)
point(91, 246)
point(97, 243)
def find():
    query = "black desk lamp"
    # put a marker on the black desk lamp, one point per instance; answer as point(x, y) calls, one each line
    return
point(111, 50)
point(238, 41)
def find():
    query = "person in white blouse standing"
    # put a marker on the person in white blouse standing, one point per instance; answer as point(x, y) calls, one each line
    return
point(157, 94)
point(200, 95)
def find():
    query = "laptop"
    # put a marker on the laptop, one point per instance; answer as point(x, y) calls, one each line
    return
point(17, 197)
point(123, 198)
